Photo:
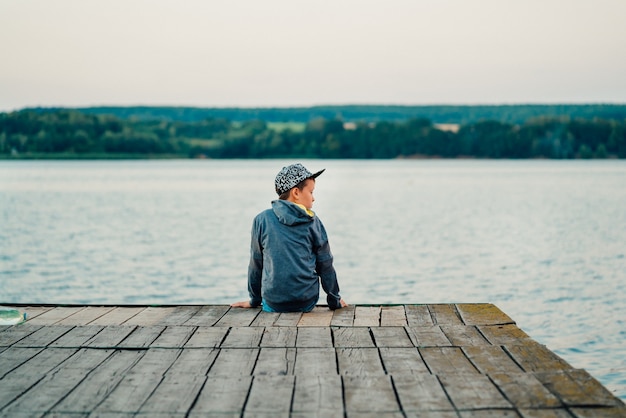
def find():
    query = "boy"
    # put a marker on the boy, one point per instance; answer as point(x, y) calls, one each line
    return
point(289, 253)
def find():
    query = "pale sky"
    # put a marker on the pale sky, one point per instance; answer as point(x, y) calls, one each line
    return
point(245, 53)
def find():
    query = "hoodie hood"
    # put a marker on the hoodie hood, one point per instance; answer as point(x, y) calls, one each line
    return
point(289, 213)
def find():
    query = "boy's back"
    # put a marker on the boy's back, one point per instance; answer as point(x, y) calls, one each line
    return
point(289, 252)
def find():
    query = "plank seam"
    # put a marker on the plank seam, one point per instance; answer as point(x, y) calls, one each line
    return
point(132, 316)
point(508, 353)
point(443, 387)
point(81, 381)
point(424, 361)
point(502, 393)
point(433, 318)
point(458, 314)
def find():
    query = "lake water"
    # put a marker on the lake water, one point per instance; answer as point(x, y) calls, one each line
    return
point(543, 240)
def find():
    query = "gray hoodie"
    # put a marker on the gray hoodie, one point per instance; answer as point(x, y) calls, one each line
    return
point(289, 256)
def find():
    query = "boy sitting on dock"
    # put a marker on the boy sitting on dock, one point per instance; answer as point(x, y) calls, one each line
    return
point(290, 254)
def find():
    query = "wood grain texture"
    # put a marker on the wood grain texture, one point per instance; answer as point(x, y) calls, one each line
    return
point(222, 396)
point(318, 317)
point(393, 316)
point(367, 316)
point(435, 360)
point(482, 314)
point(472, 391)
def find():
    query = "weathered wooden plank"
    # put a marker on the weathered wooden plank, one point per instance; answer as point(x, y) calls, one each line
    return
point(402, 360)
point(155, 361)
point(43, 337)
point(85, 316)
point(77, 336)
point(421, 392)
point(358, 392)
point(207, 316)
point(367, 316)
point(359, 361)
point(174, 395)
point(99, 383)
point(536, 358)
point(489, 413)
point(55, 315)
point(33, 311)
point(128, 396)
point(173, 337)
point(238, 317)
point(288, 319)
point(491, 359)
point(141, 337)
point(343, 317)
point(223, 396)
point(41, 363)
point(207, 337)
point(463, 335)
point(118, 316)
point(393, 316)
point(271, 394)
point(547, 413)
point(315, 362)
point(110, 336)
point(150, 316)
point(444, 314)
point(321, 395)
point(318, 317)
point(352, 337)
point(265, 319)
point(441, 360)
point(482, 314)
point(524, 390)
point(314, 337)
point(194, 361)
point(138, 383)
point(418, 316)
point(279, 337)
point(431, 414)
point(14, 334)
point(578, 388)
point(275, 361)
point(472, 391)
point(56, 385)
point(13, 357)
point(244, 337)
point(605, 412)
point(180, 315)
point(14, 385)
point(429, 336)
point(234, 362)
point(391, 337)
point(505, 335)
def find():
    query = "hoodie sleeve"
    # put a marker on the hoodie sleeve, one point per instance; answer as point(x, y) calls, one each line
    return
point(255, 267)
point(326, 270)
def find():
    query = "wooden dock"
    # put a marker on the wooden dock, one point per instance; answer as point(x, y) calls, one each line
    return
point(439, 360)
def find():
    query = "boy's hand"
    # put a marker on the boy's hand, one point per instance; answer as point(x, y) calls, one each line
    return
point(242, 304)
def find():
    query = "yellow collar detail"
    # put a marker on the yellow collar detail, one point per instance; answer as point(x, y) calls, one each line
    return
point(308, 211)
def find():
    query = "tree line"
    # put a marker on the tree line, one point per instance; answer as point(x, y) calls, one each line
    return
point(75, 134)
point(458, 114)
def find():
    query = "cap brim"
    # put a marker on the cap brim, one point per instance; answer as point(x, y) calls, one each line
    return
point(317, 174)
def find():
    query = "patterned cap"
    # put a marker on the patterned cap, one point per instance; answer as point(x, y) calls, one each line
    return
point(290, 176)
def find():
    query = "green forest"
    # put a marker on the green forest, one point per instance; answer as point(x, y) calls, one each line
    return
point(513, 132)
point(457, 114)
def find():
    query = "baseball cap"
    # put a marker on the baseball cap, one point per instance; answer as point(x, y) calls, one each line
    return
point(290, 176)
